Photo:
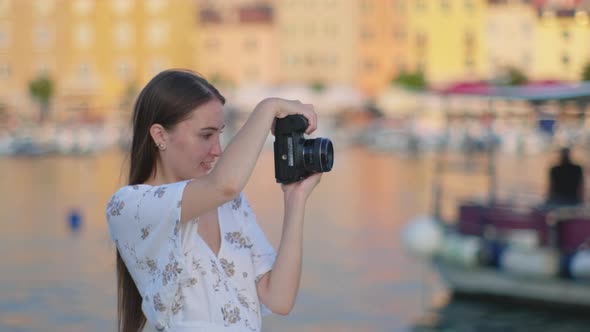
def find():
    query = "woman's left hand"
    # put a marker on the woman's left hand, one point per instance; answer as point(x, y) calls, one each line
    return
point(302, 188)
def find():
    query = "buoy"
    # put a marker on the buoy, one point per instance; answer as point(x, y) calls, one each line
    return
point(463, 250)
point(75, 220)
point(423, 236)
point(541, 262)
point(580, 265)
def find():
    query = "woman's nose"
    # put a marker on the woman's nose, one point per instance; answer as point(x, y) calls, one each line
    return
point(216, 149)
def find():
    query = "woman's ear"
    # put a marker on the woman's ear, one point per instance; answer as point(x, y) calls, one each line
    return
point(159, 136)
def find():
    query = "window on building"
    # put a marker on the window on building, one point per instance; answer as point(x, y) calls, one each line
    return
point(367, 34)
point(42, 36)
point(399, 34)
point(83, 7)
point(445, 6)
point(565, 35)
point(369, 65)
point(43, 7)
point(291, 60)
point(332, 60)
point(469, 61)
point(469, 40)
point(250, 45)
point(366, 6)
point(469, 5)
point(5, 71)
point(331, 29)
point(310, 60)
point(251, 74)
point(156, 66)
point(84, 35)
point(309, 30)
point(157, 33)
point(526, 60)
point(565, 59)
point(45, 66)
point(420, 5)
point(122, 7)
point(212, 44)
point(155, 6)
point(123, 34)
point(421, 40)
point(526, 28)
point(124, 70)
point(399, 6)
point(399, 66)
point(84, 71)
point(4, 36)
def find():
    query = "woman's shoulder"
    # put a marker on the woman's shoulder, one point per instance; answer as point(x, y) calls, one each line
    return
point(152, 200)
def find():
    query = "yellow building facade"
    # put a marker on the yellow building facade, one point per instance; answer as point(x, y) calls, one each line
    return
point(93, 50)
point(447, 39)
point(561, 46)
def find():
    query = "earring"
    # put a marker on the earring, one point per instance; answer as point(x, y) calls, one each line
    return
point(161, 146)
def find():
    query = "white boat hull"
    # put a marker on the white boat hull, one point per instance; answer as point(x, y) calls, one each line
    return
point(490, 282)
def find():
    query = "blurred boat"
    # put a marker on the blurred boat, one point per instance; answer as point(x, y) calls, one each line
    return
point(534, 253)
point(60, 140)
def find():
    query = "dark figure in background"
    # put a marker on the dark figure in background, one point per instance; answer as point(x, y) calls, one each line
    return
point(566, 181)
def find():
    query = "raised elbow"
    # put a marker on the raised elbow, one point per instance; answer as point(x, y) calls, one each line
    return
point(283, 310)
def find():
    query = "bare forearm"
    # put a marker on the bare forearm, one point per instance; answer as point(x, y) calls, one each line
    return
point(285, 276)
point(239, 158)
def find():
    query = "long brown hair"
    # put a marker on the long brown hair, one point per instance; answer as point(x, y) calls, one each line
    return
point(169, 98)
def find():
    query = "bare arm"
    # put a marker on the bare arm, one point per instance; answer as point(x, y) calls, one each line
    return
point(237, 162)
point(278, 288)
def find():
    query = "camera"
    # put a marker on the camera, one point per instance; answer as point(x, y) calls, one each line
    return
point(296, 157)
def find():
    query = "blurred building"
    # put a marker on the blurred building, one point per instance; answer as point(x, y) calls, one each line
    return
point(561, 47)
point(447, 39)
point(318, 43)
point(511, 36)
point(382, 43)
point(100, 52)
point(95, 51)
point(237, 41)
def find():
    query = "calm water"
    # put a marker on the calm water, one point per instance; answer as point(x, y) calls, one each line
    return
point(356, 276)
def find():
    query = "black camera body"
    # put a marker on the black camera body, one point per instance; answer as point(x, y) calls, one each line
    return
point(296, 157)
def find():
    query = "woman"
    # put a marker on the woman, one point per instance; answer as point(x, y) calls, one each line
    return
point(190, 255)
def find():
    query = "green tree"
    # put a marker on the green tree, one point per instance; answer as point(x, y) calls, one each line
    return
point(41, 89)
point(586, 72)
point(515, 76)
point(317, 86)
point(412, 81)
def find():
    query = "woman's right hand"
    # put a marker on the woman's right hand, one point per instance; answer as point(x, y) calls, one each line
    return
point(284, 107)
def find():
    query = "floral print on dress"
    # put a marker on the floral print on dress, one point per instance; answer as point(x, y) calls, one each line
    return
point(115, 206)
point(145, 232)
point(160, 192)
point(236, 203)
point(228, 267)
point(238, 240)
point(171, 271)
point(158, 304)
point(231, 313)
point(175, 271)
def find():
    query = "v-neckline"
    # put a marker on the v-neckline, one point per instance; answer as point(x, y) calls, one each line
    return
point(220, 236)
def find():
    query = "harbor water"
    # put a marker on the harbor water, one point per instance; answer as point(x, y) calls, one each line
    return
point(58, 266)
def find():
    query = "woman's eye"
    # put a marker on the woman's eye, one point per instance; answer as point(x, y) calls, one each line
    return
point(207, 136)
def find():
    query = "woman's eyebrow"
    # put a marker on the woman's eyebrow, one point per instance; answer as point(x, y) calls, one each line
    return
point(214, 128)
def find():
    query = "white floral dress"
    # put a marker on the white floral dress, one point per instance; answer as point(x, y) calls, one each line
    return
point(184, 285)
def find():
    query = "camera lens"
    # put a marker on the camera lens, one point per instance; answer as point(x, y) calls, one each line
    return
point(318, 155)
